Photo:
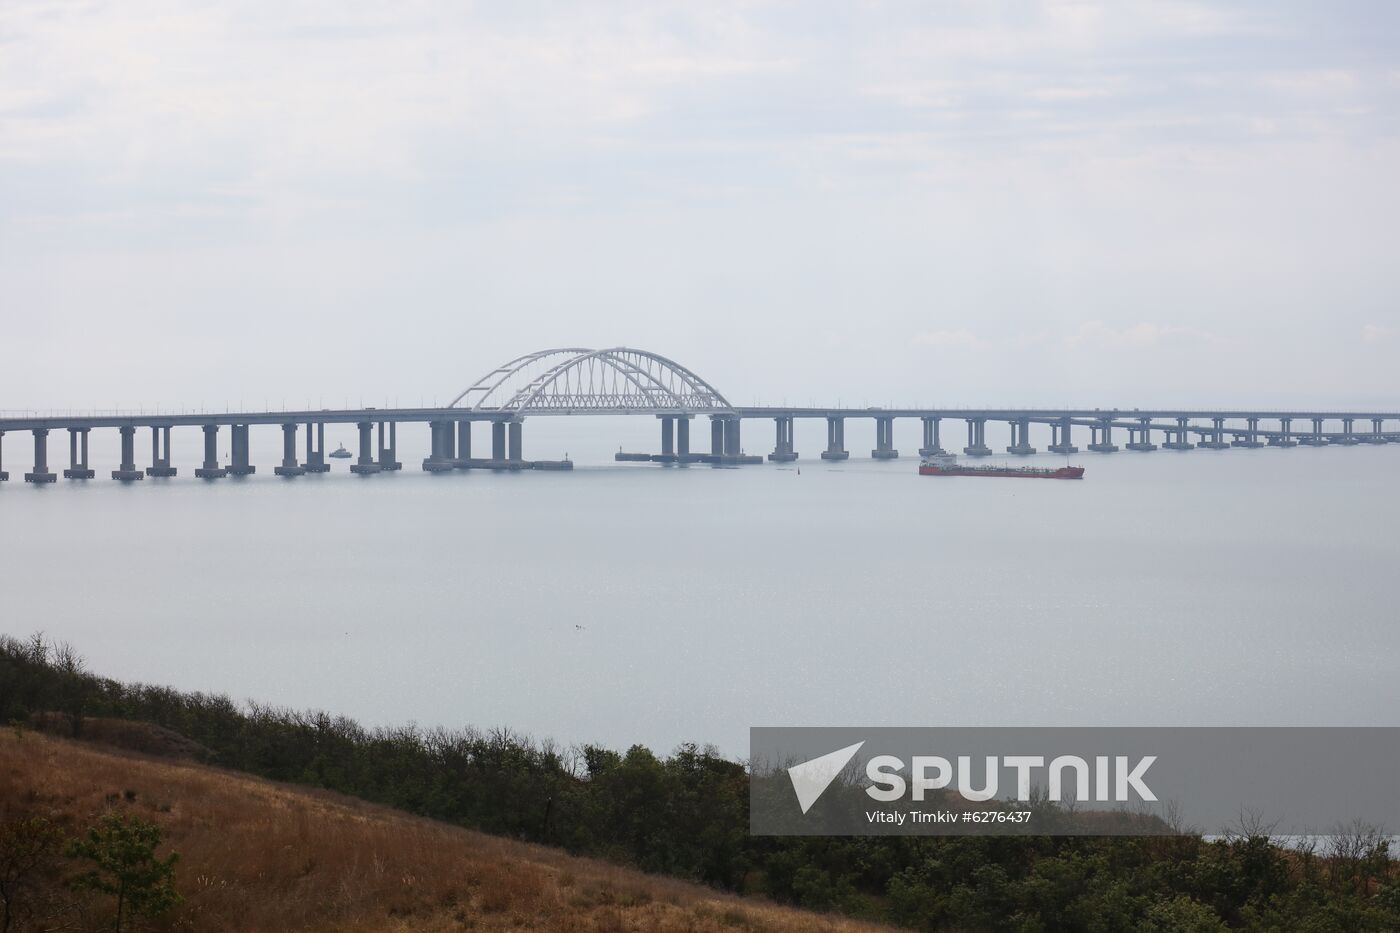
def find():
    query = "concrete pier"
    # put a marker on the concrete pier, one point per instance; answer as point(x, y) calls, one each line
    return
point(160, 453)
point(316, 448)
point(40, 473)
point(1376, 436)
point(1284, 437)
point(4, 476)
point(782, 444)
point(1101, 437)
point(683, 438)
point(1348, 435)
point(78, 455)
point(932, 445)
point(1140, 438)
point(238, 452)
point(977, 438)
point(884, 440)
point(1020, 438)
point(289, 465)
point(1061, 441)
point(514, 432)
point(128, 472)
point(1250, 437)
point(365, 464)
point(464, 445)
point(211, 468)
point(442, 457)
point(1214, 438)
point(1315, 439)
point(835, 440)
point(1180, 438)
point(668, 438)
point(389, 442)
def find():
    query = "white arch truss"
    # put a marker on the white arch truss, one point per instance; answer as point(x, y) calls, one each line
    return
point(621, 379)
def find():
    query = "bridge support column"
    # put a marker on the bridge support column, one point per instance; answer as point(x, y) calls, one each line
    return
point(716, 436)
point(388, 452)
point(683, 437)
point(498, 441)
point(160, 453)
point(835, 440)
point(364, 464)
point(1251, 435)
point(884, 440)
point(1021, 438)
point(977, 438)
point(1178, 439)
point(78, 455)
point(1284, 437)
point(1061, 441)
point(211, 468)
point(782, 442)
point(3, 475)
point(1376, 436)
point(1216, 435)
point(1101, 435)
point(1141, 437)
point(1315, 439)
point(464, 445)
point(931, 445)
point(733, 447)
point(289, 465)
point(316, 449)
point(1348, 436)
point(514, 432)
point(40, 473)
point(238, 445)
point(668, 438)
point(442, 456)
point(127, 471)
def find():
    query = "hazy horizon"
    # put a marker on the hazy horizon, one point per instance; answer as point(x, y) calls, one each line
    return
point(1047, 203)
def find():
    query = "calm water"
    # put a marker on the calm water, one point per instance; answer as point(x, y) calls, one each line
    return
point(1239, 587)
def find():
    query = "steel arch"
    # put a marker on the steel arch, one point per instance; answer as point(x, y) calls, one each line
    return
point(623, 379)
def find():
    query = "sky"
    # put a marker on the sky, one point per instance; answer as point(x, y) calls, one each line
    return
point(1013, 203)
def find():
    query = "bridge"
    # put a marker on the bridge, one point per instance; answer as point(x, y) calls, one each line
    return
point(577, 381)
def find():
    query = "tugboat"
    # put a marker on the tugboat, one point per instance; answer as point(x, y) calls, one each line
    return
point(340, 453)
point(947, 465)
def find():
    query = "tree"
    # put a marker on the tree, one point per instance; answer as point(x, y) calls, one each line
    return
point(126, 867)
point(28, 851)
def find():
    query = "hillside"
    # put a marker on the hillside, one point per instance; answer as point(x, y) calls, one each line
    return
point(257, 855)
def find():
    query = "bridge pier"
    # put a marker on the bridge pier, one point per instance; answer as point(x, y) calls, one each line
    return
point(364, 465)
point(498, 441)
point(316, 449)
point(160, 453)
point(1061, 441)
point(668, 438)
point(127, 472)
point(977, 438)
point(782, 444)
point(388, 453)
point(1101, 437)
point(78, 455)
point(1140, 438)
point(1021, 438)
point(733, 447)
point(4, 476)
point(442, 457)
point(835, 440)
point(683, 453)
point(1284, 437)
point(464, 445)
point(1216, 435)
point(1177, 440)
point(1315, 439)
point(932, 445)
point(238, 449)
point(40, 473)
point(289, 465)
point(1250, 439)
point(1348, 437)
point(884, 440)
point(514, 432)
point(1376, 436)
point(211, 468)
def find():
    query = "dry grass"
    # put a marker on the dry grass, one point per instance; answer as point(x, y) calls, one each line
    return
point(255, 855)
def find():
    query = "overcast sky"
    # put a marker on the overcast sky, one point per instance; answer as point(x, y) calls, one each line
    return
point(935, 202)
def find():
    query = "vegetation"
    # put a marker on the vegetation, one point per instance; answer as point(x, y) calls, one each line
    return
point(686, 815)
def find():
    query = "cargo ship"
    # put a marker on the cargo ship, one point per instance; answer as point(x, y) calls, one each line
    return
point(947, 465)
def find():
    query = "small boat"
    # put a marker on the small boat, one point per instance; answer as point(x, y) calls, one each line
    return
point(340, 453)
point(947, 465)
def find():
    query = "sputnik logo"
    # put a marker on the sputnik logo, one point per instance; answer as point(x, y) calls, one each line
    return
point(811, 778)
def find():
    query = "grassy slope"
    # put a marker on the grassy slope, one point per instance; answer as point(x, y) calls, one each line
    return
point(255, 855)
